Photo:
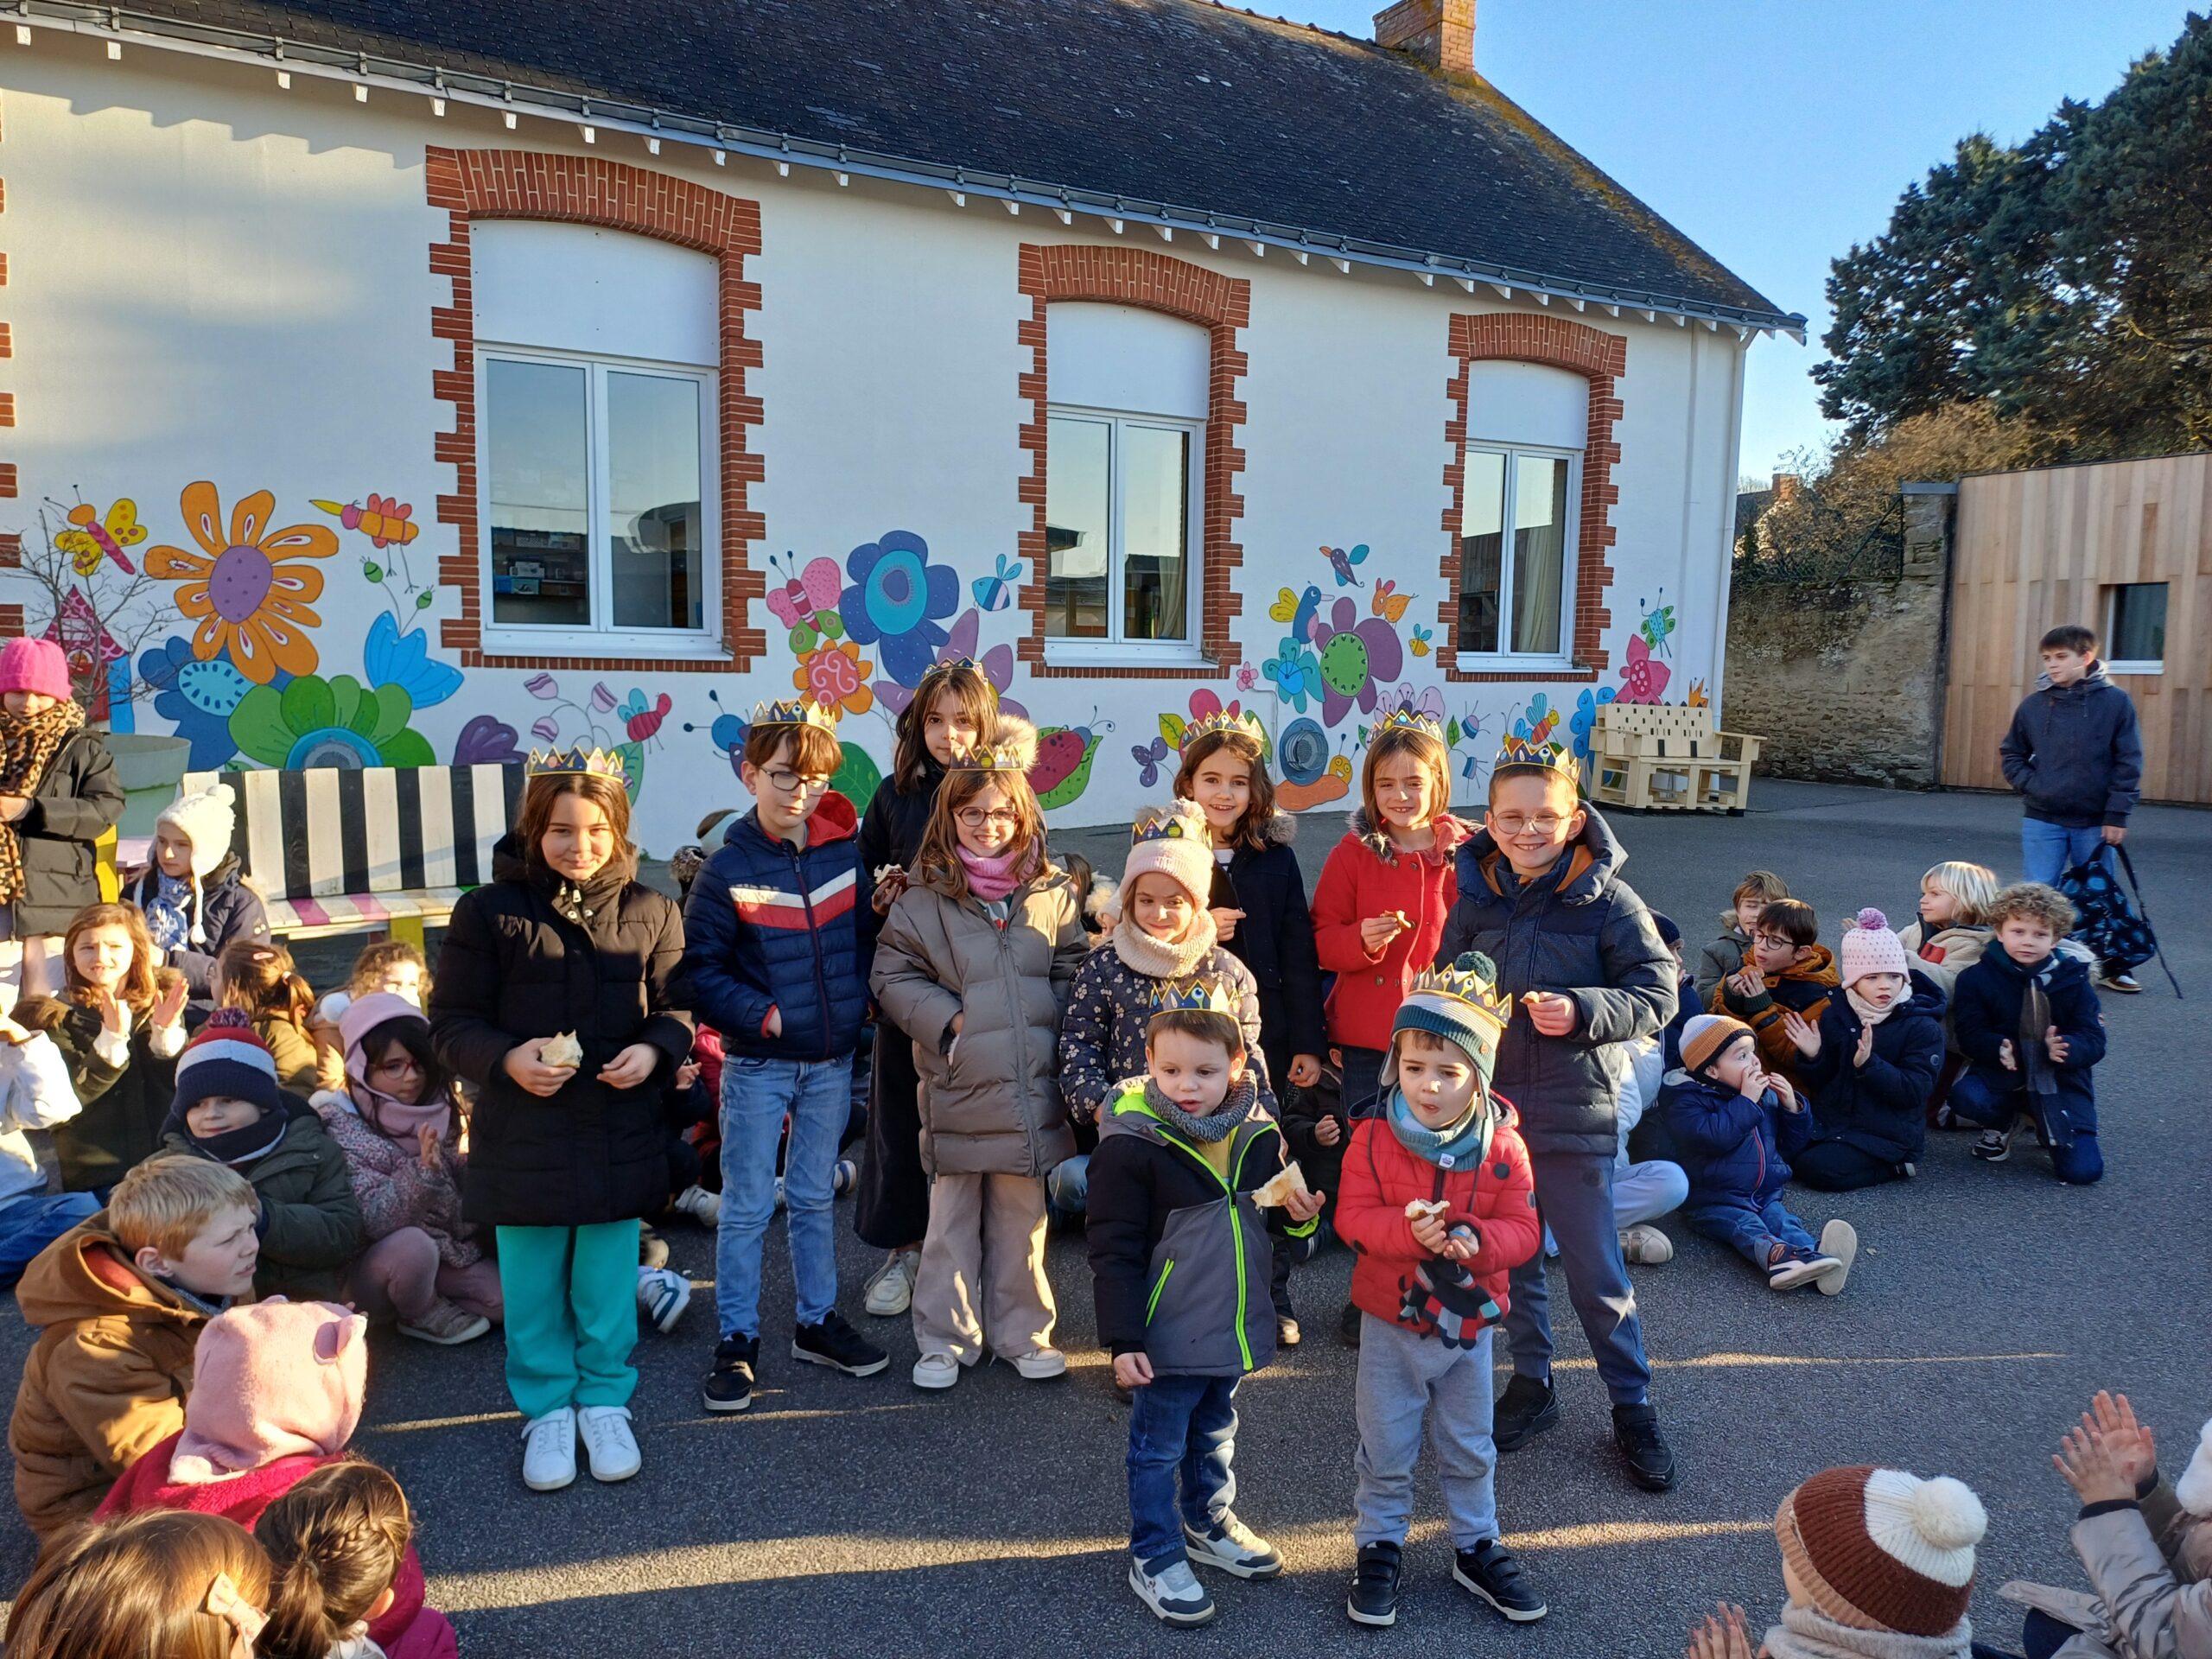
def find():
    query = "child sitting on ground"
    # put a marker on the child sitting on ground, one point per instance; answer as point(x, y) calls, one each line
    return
point(392, 965)
point(2028, 1020)
point(34, 1094)
point(1786, 971)
point(229, 1108)
point(1875, 1562)
point(119, 1302)
point(343, 1573)
point(195, 893)
point(1734, 1126)
point(1171, 1184)
point(259, 980)
point(1689, 1002)
point(183, 1587)
point(1949, 938)
point(399, 1126)
point(1438, 1207)
point(1728, 954)
point(1871, 1062)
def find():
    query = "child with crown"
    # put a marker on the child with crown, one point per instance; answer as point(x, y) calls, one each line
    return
point(559, 999)
point(1179, 1261)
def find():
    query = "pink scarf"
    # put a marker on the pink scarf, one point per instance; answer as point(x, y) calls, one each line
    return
point(393, 1119)
point(991, 879)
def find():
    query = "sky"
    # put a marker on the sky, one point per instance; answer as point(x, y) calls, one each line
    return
point(1776, 133)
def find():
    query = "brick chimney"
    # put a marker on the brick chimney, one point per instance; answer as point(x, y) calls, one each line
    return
point(1786, 487)
point(1440, 33)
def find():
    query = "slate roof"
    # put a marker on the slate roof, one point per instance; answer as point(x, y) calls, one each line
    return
point(1195, 106)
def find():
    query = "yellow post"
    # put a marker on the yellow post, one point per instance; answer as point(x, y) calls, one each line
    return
point(104, 856)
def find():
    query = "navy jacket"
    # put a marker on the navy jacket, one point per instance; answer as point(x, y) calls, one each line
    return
point(2075, 751)
point(1688, 1006)
point(1275, 941)
point(1986, 1013)
point(228, 910)
point(1579, 929)
point(772, 925)
point(1881, 1108)
point(1733, 1149)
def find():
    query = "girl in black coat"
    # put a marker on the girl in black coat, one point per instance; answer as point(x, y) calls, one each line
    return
point(955, 710)
point(58, 797)
point(566, 1148)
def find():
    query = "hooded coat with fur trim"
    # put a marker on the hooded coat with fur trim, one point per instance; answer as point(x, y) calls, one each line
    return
point(1274, 939)
point(229, 909)
point(1580, 931)
point(1366, 876)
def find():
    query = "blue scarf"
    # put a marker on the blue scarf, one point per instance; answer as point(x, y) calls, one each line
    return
point(1462, 1146)
point(165, 912)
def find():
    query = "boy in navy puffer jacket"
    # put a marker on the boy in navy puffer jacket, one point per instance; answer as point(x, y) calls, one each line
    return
point(1733, 1125)
point(777, 946)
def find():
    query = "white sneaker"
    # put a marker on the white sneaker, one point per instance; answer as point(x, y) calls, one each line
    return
point(1646, 1246)
point(1041, 1362)
point(662, 1295)
point(936, 1372)
point(549, 1451)
point(702, 1206)
point(891, 1286)
point(607, 1439)
point(1175, 1594)
point(1839, 1239)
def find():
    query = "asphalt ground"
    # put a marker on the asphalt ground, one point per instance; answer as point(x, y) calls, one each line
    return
point(861, 1517)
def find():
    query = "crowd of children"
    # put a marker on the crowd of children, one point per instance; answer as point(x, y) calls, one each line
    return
point(1512, 1060)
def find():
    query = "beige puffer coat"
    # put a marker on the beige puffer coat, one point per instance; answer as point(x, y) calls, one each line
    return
point(991, 1104)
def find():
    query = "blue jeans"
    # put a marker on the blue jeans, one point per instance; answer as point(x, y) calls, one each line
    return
point(1574, 1198)
point(2049, 850)
point(758, 1094)
point(30, 1223)
point(1751, 1229)
point(1185, 1423)
point(2079, 1163)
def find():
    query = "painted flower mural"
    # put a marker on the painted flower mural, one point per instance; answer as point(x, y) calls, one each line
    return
point(1355, 654)
point(1295, 672)
point(335, 723)
point(1643, 677)
point(835, 676)
point(857, 777)
point(960, 641)
point(897, 601)
point(390, 658)
point(487, 741)
point(252, 601)
point(197, 698)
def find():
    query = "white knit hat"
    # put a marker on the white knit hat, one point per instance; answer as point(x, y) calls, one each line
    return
point(1881, 1549)
point(1174, 841)
point(205, 819)
point(1869, 947)
point(2193, 1489)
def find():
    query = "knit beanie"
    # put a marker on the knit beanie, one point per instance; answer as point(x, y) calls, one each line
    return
point(1175, 841)
point(1460, 1003)
point(1704, 1035)
point(1669, 935)
point(226, 1058)
point(1878, 1549)
point(1869, 947)
point(34, 665)
point(275, 1380)
point(2193, 1489)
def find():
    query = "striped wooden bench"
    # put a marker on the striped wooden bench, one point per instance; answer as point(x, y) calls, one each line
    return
point(335, 850)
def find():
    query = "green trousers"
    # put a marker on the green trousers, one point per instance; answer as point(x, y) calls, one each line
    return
point(572, 1314)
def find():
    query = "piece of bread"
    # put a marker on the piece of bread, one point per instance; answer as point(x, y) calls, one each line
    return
point(1278, 1188)
point(563, 1050)
point(1417, 1208)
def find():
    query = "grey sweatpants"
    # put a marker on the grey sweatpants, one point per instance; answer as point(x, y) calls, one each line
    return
point(1405, 1380)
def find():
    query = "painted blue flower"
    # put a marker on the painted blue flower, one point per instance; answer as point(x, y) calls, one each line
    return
point(897, 603)
point(1585, 722)
point(197, 697)
point(404, 660)
point(1296, 672)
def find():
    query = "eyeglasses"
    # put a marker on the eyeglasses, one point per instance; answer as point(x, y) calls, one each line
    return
point(1773, 942)
point(1512, 823)
point(974, 820)
point(787, 780)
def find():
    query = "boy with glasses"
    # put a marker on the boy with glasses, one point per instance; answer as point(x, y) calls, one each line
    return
point(1788, 975)
point(778, 950)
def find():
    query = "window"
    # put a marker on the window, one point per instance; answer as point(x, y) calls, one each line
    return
point(2135, 628)
point(596, 356)
point(1125, 445)
point(1518, 533)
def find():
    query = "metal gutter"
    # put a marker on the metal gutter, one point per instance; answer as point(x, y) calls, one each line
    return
point(119, 26)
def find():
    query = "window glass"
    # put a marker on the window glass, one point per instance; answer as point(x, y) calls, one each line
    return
point(655, 522)
point(2138, 623)
point(1539, 551)
point(1078, 479)
point(1156, 466)
point(1482, 538)
point(538, 423)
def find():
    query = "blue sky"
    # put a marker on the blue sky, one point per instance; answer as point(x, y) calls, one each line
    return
point(1777, 133)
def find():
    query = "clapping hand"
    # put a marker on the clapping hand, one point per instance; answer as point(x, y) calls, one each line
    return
point(2055, 1046)
point(169, 1005)
point(2131, 1443)
point(2085, 1458)
point(115, 1019)
point(1865, 1051)
point(1802, 1032)
point(1721, 1636)
point(2005, 1055)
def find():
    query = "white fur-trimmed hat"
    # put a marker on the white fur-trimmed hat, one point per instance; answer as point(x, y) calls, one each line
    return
point(206, 819)
point(2193, 1489)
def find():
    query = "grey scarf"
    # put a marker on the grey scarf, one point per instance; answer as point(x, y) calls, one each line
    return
point(1234, 1109)
point(1805, 1634)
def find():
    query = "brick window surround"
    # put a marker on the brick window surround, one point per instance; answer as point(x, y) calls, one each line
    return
point(472, 184)
point(1222, 305)
point(1600, 358)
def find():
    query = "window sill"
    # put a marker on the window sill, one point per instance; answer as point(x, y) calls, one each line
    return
point(614, 647)
point(1493, 664)
point(2158, 667)
point(1066, 654)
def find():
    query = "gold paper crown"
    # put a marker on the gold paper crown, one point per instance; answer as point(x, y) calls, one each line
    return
point(1203, 994)
point(1245, 725)
point(795, 711)
point(1000, 758)
point(975, 668)
point(554, 763)
point(1525, 751)
point(1411, 719)
point(1179, 823)
point(1473, 979)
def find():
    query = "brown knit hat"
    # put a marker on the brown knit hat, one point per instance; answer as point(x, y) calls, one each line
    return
point(1704, 1035)
point(1878, 1549)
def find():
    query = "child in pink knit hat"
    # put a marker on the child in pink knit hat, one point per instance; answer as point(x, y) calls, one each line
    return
point(58, 795)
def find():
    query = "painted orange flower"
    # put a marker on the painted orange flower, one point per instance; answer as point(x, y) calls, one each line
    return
point(248, 599)
point(834, 675)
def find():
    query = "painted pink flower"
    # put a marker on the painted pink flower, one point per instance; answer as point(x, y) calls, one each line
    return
point(835, 676)
point(546, 730)
point(602, 700)
point(544, 687)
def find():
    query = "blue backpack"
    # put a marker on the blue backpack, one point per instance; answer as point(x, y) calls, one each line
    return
point(2117, 932)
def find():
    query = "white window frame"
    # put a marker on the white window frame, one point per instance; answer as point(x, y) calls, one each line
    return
point(2111, 631)
point(603, 638)
point(1504, 658)
point(1062, 650)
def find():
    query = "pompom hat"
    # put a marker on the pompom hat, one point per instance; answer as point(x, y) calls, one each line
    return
point(2193, 1489)
point(34, 665)
point(226, 1058)
point(1878, 1549)
point(1869, 947)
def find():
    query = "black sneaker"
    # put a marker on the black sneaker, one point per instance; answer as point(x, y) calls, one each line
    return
point(1348, 1326)
point(1651, 1463)
point(728, 1386)
point(837, 1344)
point(1995, 1145)
point(1491, 1572)
point(1374, 1598)
point(1525, 1410)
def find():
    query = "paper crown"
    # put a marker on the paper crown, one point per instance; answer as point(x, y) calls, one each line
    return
point(795, 711)
point(1526, 752)
point(1202, 994)
point(1471, 979)
point(1014, 751)
point(973, 667)
point(1410, 720)
point(1222, 719)
point(1177, 823)
point(554, 763)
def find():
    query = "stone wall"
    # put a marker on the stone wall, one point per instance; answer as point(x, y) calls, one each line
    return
point(1844, 680)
